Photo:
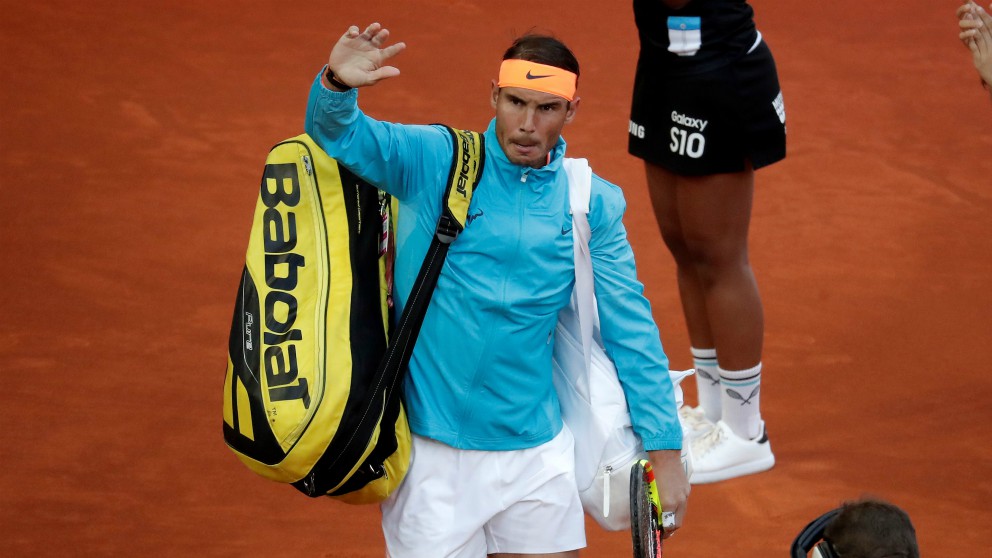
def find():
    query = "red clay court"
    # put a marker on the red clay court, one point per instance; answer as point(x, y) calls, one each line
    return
point(133, 136)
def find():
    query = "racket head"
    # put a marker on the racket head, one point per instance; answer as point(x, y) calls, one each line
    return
point(645, 511)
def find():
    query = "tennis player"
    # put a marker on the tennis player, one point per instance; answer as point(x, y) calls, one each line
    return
point(493, 468)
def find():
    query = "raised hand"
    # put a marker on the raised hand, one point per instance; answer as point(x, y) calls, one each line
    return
point(358, 59)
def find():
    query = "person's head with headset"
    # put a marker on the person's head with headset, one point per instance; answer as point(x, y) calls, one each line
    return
point(866, 528)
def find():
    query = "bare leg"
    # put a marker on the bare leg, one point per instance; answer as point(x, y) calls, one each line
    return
point(662, 187)
point(704, 222)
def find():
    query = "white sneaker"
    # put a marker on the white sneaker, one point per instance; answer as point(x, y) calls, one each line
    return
point(695, 425)
point(721, 455)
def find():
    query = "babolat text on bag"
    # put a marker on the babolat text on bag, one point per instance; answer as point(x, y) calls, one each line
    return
point(311, 394)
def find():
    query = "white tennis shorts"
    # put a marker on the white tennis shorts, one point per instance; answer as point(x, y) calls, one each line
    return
point(467, 504)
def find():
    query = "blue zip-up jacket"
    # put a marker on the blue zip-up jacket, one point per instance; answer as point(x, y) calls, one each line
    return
point(480, 374)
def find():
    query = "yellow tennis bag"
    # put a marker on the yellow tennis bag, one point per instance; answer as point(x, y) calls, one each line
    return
point(311, 394)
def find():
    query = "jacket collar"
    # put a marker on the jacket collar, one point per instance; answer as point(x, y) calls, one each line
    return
point(496, 157)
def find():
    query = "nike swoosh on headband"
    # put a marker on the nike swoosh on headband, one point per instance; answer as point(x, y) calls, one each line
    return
point(531, 76)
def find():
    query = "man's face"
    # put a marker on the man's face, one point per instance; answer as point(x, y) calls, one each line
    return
point(528, 123)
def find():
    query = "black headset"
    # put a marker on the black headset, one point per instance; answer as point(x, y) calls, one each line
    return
point(812, 537)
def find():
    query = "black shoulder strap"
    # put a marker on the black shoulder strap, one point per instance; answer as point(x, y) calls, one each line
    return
point(467, 161)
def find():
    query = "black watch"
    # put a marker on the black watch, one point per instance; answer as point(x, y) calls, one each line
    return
point(329, 74)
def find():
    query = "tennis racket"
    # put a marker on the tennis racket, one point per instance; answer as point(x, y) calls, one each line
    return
point(645, 511)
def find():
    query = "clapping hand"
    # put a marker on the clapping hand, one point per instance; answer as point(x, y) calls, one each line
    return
point(976, 33)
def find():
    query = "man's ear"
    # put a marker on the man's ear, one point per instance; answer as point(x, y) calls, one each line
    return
point(573, 106)
point(495, 94)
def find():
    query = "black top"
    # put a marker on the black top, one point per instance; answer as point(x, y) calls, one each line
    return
point(725, 33)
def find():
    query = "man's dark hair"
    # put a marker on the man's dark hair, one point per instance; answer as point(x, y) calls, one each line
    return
point(871, 528)
point(543, 49)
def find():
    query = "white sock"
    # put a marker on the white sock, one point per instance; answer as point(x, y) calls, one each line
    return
point(707, 382)
point(741, 401)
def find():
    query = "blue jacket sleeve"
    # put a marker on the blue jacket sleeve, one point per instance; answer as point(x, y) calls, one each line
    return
point(394, 157)
point(627, 326)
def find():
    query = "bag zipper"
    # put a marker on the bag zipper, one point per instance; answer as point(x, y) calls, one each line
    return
point(606, 490)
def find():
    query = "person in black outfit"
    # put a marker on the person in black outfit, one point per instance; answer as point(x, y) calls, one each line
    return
point(707, 112)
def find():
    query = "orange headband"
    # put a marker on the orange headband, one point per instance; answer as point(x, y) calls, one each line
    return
point(538, 77)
